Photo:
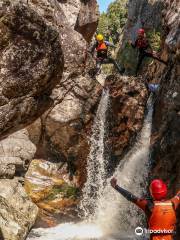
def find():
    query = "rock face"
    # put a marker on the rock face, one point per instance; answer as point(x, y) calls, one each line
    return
point(38, 45)
point(128, 103)
point(61, 135)
point(16, 152)
point(17, 213)
point(31, 65)
point(166, 122)
point(164, 17)
point(87, 20)
point(64, 139)
point(81, 16)
point(145, 14)
point(48, 186)
point(166, 140)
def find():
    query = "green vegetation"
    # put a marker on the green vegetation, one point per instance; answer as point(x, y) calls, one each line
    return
point(154, 39)
point(65, 191)
point(128, 57)
point(112, 22)
point(111, 25)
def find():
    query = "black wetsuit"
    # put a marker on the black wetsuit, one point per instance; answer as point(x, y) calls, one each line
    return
point(143, 46)
point(139, 202)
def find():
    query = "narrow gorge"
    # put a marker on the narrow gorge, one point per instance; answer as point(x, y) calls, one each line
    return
point(65, 132)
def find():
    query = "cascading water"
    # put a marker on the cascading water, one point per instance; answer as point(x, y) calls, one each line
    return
point(114, 213)
point(111, 214)
point(96, 163)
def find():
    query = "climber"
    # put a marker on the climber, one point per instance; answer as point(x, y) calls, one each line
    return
point(145, 49)
point(161, 213)
point(101, 48)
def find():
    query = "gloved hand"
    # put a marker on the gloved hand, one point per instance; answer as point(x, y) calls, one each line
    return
point(113, 182)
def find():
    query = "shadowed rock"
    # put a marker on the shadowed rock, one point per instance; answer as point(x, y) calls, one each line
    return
point(31, 65)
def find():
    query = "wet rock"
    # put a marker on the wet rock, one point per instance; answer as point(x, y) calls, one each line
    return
point(16, 152)
point(31, 65)
point(165, 138)
point(48, 186)
point(66, 128)
point(17, 212)
point(128, 103)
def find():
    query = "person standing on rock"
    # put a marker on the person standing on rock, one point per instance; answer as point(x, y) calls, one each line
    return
point(101, 48)
point(145, 49)
point(161, 213)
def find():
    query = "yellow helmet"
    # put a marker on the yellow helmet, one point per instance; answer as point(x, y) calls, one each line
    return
point(99, 37)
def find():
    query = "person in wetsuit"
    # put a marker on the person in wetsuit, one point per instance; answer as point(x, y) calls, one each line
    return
point(101, 48)
point(160, 213)
point(145, 49)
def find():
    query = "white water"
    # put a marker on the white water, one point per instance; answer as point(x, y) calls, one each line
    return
point(113, 214)
point(96, 161)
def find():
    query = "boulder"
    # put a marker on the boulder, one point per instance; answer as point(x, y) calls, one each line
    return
point(17, 212)
point(16, 152)
point(82, 16)
point(87, 20)
point(128, 104)
point(30, 67)
point(49, 187)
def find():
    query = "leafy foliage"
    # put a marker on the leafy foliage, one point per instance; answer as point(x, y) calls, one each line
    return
point(155, 39)
point(128, 58)
point(65, 191)
point(112, 22)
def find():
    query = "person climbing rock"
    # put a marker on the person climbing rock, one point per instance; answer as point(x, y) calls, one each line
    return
point(145, 49)
point(160, 212)
point(101, 48)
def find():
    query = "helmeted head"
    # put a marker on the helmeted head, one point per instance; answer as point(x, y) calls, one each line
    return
point(158, 189)
point(141, 32)
point(99, 37)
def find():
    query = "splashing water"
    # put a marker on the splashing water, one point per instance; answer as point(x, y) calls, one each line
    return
point(96, 161)
point(113, 214)
point(68, 231)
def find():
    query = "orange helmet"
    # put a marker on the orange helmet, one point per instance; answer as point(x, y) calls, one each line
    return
point(158, 189)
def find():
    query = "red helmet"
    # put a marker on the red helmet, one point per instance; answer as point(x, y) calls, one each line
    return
point(141, 31)
point(158, 189)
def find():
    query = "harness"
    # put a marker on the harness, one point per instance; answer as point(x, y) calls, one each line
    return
point(142, 43)
point(102, 47)
point(102, 50)
point(163, 216)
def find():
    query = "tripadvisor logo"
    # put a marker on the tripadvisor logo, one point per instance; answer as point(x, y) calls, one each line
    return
point(139, 231)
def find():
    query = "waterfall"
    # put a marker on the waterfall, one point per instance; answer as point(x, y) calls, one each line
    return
point(111, 214)
point(114, 213)
point(96, 162)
